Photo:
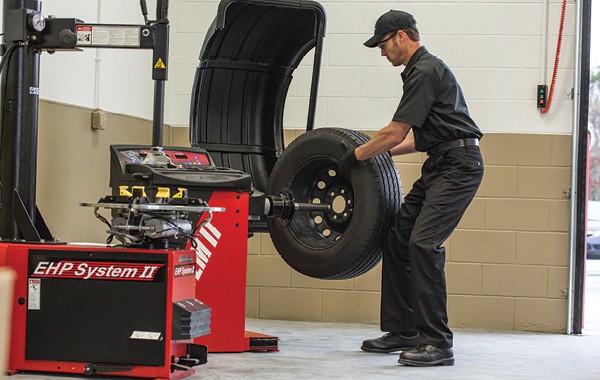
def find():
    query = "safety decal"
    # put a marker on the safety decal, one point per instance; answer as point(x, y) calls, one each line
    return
point(34, 294)
point(108, 35)
point(84, 35)
point(160, 64)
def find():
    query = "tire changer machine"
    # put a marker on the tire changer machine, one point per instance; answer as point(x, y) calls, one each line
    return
point(174, 288)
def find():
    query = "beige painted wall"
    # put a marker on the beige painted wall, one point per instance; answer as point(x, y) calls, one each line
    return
point(507, 263)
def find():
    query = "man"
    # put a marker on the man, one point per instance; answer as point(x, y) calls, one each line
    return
point(413, 290)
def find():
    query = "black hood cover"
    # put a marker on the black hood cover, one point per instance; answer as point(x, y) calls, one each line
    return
point(246, 64)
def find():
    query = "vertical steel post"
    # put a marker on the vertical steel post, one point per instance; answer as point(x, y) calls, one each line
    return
point(19, 124)
point(160, 71)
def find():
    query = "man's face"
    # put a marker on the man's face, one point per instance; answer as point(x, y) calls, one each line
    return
point(391, 46)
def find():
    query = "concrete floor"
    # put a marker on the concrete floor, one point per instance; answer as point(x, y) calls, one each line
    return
point(332, 351)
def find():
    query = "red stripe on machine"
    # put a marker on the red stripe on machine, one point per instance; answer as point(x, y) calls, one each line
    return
point(91, 270)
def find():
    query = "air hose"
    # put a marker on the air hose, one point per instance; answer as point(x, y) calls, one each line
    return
point(558, 46)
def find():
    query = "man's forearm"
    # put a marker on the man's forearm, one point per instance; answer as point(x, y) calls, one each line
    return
point(390, 137)
point(405, 147)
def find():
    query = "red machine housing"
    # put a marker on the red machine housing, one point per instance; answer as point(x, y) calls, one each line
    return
point(88, 310)
point(221, 256)
point(212, 270)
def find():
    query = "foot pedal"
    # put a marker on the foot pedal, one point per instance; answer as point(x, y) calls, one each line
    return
point(261, 342)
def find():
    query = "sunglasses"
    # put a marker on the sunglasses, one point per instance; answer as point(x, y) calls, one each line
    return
point(383, 42)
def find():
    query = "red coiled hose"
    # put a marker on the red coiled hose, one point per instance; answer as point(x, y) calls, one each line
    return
point(558, 44)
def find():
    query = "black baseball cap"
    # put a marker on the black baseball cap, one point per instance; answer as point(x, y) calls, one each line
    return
point(389, 22)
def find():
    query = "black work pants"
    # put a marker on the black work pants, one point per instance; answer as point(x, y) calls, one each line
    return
point(413, 290)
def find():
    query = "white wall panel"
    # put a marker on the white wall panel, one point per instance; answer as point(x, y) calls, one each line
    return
point(522, 19)
point(444, 47)
point(193, 16)
point(344, 18)
point(357, 113)
point(454, 19)
point(493, 46)
point(178, 108)
point(373, 79)
point(567, 57)
point(182, 78)
point(126, 84)
point(559, 119)
point(185, 47)
point(296, 111)
point(475, 83)
point(69, 77)
point(529, 52)
point(554, 18)
point(513, 84)
point(488, 51)
point(348, 50)
point(334, 82)
point(496, 116)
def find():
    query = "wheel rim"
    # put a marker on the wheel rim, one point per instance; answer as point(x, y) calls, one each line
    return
point(318, 181)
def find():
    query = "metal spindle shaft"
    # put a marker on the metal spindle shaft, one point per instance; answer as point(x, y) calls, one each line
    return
point(311, 207)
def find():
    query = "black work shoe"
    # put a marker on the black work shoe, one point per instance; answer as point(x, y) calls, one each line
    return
point(390, 342)
point(426, 355)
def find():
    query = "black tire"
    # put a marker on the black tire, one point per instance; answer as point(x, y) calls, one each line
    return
point(345, 241)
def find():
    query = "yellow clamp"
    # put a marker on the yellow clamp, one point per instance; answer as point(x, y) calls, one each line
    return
point(182, 193)
point(163, 192)
point(124, 192)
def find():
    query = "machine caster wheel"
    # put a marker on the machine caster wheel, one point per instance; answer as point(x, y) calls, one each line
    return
point(346, 240)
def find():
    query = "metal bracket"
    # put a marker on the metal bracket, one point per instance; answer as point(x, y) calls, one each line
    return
point(30, 231)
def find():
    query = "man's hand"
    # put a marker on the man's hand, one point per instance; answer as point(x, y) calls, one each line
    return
point(348, 163)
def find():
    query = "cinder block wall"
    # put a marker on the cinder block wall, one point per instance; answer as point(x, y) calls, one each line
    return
point(507, 262)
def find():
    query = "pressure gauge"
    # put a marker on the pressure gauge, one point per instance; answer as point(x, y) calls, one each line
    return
point(37, 21)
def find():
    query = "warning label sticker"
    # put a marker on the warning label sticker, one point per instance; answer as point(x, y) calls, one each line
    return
point(34, 294)
point(108, 35)
point(84, 35)
point(160, 64)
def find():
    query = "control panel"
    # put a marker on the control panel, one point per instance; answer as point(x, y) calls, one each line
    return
point(178, 157)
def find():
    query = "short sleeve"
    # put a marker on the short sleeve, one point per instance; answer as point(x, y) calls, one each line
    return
point(420, 92)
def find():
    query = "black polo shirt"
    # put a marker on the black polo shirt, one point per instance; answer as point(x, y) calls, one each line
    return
point(433, 103)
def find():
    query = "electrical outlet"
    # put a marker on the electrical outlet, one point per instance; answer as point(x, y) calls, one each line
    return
point(99, 119)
